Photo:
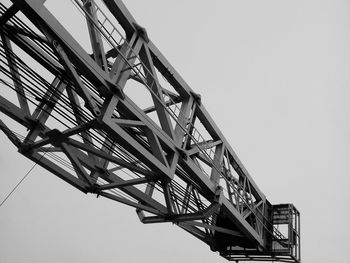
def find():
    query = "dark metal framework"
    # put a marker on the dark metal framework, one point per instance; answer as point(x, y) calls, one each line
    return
point(120, 122)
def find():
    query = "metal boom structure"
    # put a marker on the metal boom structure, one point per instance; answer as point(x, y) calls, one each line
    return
point(118, 121)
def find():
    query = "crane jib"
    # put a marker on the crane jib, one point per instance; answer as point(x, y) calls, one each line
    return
point(117, 120)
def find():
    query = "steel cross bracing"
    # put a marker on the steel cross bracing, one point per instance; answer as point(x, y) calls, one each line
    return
point(120, 122)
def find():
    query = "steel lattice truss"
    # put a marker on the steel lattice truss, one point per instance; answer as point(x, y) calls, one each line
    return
point(120, 122)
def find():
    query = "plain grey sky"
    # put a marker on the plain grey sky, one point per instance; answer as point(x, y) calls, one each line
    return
point(275, 77)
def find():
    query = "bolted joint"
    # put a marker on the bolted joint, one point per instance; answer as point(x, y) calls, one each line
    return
point(56, 136)
point(117, 90)
point(46, 101)
point(24, 149)
point(182, 153)
point(34, 123)
point(94, 189)
point(197, 97)
point(101, 170)
point(105, 91)
point(141, 31)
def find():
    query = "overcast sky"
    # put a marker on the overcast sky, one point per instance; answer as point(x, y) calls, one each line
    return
point(274, 75)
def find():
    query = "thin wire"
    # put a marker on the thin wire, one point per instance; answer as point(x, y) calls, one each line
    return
point(24, 177)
